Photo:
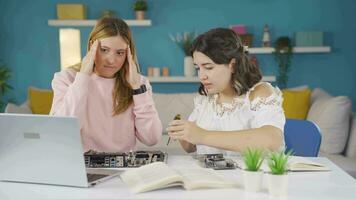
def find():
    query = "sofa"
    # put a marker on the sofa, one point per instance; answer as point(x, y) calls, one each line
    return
point(333, 116)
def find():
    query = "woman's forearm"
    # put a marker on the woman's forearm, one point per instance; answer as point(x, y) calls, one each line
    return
point(187, 146)
point(266, 137)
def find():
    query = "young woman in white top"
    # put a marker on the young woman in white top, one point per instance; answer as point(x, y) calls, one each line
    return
point(234, 110)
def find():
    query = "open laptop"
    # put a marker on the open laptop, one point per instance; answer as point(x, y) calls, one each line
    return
point(45, 149)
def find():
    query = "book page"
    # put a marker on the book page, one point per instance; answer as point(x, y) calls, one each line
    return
point(295, 163)
point(151, 177)
point(204, 178)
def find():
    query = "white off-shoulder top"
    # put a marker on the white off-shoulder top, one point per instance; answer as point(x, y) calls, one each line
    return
point(241, 114)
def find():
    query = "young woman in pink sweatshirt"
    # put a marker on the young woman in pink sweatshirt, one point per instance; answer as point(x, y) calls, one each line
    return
point(112, 101)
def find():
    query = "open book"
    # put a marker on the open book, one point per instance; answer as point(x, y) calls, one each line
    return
point(158, 175)
point(295, 164)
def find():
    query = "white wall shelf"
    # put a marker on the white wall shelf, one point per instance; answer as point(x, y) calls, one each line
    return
point(269, 50)
point(183, 79)
point(130, 22)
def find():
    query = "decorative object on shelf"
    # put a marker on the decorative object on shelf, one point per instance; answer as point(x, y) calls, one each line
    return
point(165, 71)
point(278, 176)
point(247, 39)
point(252, 175)
point(308, 39)
point(239, 29)
point(283, 55)
point(156, 72)
point(140, 7)
point(5, 74)
point(149, 71)
point(71, 11)
point(266, 38)
point(185, 41)
point(189, 69)
point(108, 13)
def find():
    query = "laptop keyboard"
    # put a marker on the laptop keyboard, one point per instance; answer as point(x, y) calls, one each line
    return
point(94, 177)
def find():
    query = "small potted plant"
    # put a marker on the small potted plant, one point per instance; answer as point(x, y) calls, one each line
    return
point(140, 7)
point(184, 41)
point(5, 74)
point(252, 175)
point(278, 176)
point(283, 55)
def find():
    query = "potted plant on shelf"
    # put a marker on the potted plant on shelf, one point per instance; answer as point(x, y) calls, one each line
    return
point(140, 8)
point(5, 74)
point(252, 175)
point(278, 176)
point(184, 41)
point(283, 55)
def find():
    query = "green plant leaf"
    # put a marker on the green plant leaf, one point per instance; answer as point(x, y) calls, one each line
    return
point(253, 159)
point(278, 161)
point(140, 5)
point(184, 41)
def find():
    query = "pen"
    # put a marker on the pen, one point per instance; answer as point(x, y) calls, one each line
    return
point(177, 117)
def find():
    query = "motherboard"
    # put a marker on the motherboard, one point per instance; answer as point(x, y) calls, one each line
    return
point(94, 159)
point(216, 161)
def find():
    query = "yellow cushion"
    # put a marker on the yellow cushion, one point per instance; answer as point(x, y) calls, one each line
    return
point(296, 103)
point(40, 100)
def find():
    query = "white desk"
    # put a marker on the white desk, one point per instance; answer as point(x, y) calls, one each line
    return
point(335, 184)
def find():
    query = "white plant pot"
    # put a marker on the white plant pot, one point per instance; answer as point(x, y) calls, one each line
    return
point(252, 180)
point(278, 184)
point(189, 66)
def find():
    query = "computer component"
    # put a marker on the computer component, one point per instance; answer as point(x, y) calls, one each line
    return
point(94, 159)
point(216, 161)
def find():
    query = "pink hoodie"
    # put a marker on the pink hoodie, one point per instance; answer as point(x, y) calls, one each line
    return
point(89, 97)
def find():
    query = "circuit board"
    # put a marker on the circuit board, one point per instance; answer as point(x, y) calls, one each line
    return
point(94, 159)
point(216, 161)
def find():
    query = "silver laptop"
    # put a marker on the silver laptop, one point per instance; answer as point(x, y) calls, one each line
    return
point(45, 149)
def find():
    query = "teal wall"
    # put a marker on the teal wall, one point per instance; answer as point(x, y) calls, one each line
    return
point(31, 49)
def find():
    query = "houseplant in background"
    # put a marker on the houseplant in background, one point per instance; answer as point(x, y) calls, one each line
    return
point(283, 55)
point(278, 176)
point(5, 74)
point(108, 13)
point(140, 7)
point(184, 41)
point(252, 175)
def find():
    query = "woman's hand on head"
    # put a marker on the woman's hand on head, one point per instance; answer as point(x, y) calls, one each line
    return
point(88, 61)
point(185, 130)
point(132, 76)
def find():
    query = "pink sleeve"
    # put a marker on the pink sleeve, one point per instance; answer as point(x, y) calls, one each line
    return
point(147, 123)
point(70, 94)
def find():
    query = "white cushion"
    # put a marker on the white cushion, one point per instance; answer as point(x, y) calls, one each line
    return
point(24, 108)
point(168, 105)
point(332, 115)
point(298, 88)
point(347, 164)
point(351, 145)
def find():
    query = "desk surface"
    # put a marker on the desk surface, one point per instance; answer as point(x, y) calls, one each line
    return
point(335, 184)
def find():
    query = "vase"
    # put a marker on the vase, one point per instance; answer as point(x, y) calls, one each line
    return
point(140, 15)
point(189, 69)
point(252, 180)
point(278, 184)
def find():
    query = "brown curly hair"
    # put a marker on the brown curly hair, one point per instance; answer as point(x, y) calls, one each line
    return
point(222, 45)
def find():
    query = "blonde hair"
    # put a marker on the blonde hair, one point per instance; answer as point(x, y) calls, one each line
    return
point(109, 27)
